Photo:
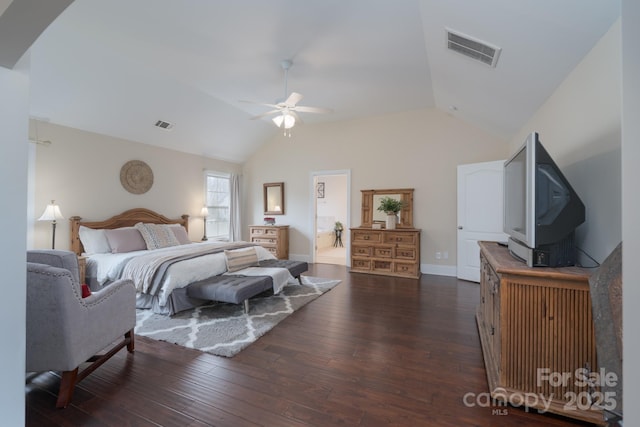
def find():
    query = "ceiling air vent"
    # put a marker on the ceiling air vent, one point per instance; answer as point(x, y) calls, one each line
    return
point(473, 48)
point(164, 125)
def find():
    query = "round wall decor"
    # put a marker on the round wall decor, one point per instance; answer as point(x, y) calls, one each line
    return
point(136, 177)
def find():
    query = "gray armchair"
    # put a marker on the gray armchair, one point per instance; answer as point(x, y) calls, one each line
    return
point(65, 330)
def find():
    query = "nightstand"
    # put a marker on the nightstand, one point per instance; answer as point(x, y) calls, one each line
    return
point(274, 238)
point(82, 268)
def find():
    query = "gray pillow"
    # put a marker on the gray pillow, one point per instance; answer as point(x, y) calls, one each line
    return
point(181, 233)
point(125, 239)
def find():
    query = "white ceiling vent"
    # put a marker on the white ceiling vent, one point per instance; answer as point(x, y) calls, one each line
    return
point(473, 48)
point(164, 125)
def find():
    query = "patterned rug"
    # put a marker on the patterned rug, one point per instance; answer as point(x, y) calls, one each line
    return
point(224, 329)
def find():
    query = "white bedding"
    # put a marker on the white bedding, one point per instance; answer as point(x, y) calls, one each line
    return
point(105, 268)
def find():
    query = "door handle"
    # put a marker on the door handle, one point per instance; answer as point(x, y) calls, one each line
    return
point(459, 227)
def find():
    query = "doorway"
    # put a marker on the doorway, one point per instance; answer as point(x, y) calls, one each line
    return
point(331, 195)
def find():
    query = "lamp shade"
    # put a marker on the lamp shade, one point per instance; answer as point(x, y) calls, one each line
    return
point(51, 213)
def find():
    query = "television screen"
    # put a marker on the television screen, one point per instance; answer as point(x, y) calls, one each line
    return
point(541, 209)
point(515, 190)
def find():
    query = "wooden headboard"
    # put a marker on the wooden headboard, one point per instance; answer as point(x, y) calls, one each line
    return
point(125, 219)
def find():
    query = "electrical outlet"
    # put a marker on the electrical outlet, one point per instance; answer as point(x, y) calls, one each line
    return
point(438, 255)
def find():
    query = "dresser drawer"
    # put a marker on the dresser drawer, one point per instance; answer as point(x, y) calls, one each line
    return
point(366, 236)
point(400, 238)
point(264, 232)
point(406, 253)
point(386, 266)
point(383, 252)
point(410, 269)
point(361, 264)
point(361, 251)
point(264, 240)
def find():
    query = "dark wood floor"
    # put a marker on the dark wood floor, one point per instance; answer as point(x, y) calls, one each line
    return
point(373, 351)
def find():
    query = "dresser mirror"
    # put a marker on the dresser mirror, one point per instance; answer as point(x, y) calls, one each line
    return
point(274, 198)
point(371, 201)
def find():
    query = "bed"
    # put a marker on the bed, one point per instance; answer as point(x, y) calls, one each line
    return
point(164, 264)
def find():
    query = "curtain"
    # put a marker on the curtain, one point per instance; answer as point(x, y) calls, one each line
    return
point(235, 229)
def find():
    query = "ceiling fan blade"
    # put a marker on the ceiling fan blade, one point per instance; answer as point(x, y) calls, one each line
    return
point(293, 99)
point(303, 109)
point(259, 116)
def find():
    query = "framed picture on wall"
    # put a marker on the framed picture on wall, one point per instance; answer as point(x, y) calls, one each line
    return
point(320, 190)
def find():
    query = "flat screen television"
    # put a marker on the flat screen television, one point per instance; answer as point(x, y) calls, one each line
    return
point(541, 209)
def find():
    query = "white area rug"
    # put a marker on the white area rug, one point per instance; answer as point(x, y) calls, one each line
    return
point(224, 329)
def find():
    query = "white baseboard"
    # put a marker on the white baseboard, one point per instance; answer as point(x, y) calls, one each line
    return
point(439, 270)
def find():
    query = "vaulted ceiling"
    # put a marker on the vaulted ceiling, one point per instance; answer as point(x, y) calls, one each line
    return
point(117, 67)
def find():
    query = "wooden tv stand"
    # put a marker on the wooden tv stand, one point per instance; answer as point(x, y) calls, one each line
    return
point(535, 326)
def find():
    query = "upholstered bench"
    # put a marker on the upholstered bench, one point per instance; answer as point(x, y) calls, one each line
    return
point(236, 289)
point(296, 268)
point(231, 289)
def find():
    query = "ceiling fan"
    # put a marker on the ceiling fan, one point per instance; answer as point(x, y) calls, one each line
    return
point(287, 110)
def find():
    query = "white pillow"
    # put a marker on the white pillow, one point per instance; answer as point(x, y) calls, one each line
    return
point(94, 241)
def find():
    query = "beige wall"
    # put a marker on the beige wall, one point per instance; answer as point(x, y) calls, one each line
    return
point(580, 127)
point(417, 149)
point(81, 171)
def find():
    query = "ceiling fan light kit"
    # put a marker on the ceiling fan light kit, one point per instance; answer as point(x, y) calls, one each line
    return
point(287, 117)
point(285, 120)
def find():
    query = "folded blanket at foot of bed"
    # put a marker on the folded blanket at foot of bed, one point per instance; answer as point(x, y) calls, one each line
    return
point(296, 268)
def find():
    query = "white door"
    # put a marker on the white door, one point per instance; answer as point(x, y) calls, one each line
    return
point(480, 213)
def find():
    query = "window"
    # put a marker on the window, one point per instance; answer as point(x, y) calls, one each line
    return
point(218, 201)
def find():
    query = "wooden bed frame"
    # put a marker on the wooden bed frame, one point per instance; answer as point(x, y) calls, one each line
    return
point(125, 219)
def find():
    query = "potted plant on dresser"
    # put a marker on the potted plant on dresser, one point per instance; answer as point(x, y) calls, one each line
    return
point(391, 207)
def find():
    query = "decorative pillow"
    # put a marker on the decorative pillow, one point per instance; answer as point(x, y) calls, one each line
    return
point(125, 239)
point(238, 259)
point(181, 233)
point(86, 290)
point(94, 241)
point(157, 236)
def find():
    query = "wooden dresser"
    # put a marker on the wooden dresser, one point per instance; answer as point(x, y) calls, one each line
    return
point(386, 252)
point(275, 238)
point(536, 324)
